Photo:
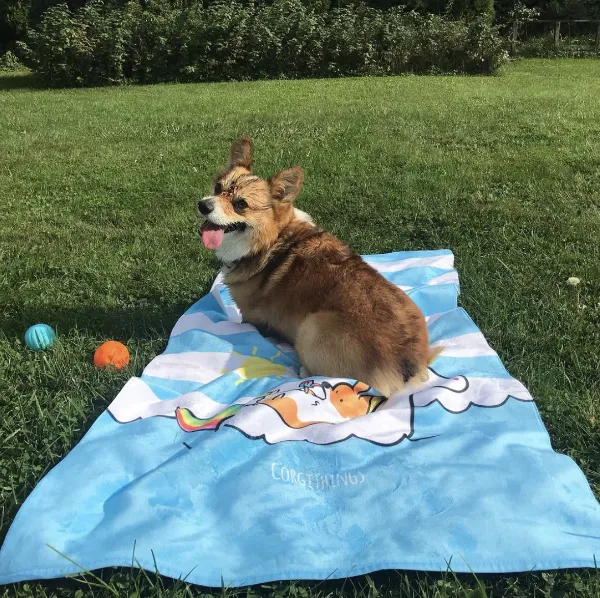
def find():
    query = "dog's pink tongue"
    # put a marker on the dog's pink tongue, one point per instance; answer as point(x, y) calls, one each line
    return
point(212, 237)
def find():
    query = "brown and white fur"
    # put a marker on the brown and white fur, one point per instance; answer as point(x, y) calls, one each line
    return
point(289, 277)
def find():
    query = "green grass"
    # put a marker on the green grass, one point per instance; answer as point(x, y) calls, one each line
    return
point(97, 238)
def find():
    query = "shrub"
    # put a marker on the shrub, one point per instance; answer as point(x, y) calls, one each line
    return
point(81, 48)
point(9, 62)
point(167, 41)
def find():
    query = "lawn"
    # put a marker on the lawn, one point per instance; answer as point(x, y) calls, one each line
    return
point(98, 238)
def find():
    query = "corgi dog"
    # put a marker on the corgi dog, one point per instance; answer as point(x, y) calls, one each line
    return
point(289, 277)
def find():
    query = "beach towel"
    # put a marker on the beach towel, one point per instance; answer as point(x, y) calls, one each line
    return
point(220, 464)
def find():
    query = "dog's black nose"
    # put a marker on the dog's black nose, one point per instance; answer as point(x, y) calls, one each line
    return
point(205, 206)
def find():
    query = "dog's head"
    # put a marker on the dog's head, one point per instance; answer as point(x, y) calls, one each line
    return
point(245, 214)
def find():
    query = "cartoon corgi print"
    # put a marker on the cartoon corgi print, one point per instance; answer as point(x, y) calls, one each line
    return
point(318, 411)
point(347, 403)
point(350, 403)
point(287, 408)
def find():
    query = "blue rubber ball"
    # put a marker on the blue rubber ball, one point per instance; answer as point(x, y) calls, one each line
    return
point(39, 337)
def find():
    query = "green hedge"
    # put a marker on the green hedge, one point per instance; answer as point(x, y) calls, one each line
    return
point(98, 44)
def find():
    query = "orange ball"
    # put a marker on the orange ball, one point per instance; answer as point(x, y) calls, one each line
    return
point(111, 353)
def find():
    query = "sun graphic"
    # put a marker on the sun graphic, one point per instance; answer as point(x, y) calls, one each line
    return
point(258, 367)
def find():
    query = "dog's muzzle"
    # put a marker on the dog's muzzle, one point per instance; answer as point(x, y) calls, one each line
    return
point(206, 206)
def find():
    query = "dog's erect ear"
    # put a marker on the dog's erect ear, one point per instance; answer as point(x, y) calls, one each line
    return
point(240, 154)
point(286, 184)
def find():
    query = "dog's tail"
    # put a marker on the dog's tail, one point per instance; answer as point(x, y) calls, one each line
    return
point(434, 353)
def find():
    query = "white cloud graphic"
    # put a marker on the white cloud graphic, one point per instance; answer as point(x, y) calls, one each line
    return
point(321, 411)
point(317, 411)
point(459, 393)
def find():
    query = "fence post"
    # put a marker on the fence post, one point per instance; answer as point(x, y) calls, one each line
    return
point(598, 39)
point(513, 41)
point(556, 34)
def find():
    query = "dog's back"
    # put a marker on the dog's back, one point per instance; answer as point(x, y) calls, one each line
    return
point(343, 317)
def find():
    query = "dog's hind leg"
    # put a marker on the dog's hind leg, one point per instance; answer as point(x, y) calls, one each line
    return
point(304, 373)
point(326, 348)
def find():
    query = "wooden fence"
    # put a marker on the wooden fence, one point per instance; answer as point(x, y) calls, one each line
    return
point(561, 29)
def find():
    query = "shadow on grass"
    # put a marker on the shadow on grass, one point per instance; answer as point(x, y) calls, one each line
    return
point(144, 322)
point(116, 323)
point(19, 80)
point(386, 582)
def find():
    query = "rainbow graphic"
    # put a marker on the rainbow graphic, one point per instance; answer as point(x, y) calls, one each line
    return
point(188, 422)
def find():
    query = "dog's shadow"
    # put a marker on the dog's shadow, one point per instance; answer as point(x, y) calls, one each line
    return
point(152, 319)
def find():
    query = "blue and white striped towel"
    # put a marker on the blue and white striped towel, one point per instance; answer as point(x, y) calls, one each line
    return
point(198, 464)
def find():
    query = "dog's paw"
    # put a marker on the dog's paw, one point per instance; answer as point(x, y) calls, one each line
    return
point(304, 373)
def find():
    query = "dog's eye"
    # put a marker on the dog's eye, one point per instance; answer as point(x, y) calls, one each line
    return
point(218, 188)
point(240, 204)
